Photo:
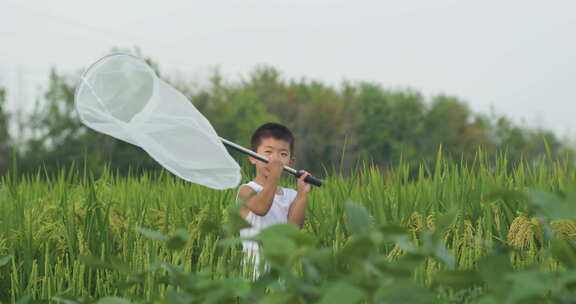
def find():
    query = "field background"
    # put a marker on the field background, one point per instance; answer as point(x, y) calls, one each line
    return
point(49, 223)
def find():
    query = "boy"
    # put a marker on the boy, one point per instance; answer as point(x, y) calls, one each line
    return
point(265, 202)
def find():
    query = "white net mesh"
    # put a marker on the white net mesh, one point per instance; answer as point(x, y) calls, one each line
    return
point(120, 95)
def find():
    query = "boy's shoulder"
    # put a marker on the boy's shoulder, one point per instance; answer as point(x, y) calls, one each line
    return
point(251, 187)
point(245, 191)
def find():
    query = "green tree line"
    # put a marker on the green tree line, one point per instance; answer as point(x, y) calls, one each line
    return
point(336, 128)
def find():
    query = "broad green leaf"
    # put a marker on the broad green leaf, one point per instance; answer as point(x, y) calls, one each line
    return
point(357, 248)
point(457, 279)
point(554, 206)
point(113, 300)
point(177, 241)
point(235, 222)
point(151, 234)
point(25, 299)
point(567, 279)
point(404, 266)
point(493, 269)
point(301, 238)
point(113, 264)
point(530, 284)
point(488, 299)
point(507, 195)
point(565, 252)
point(278, 250)
point(358, 220)
point(277, 231)
point(342, 292)
point(5, 259)
point(405, 292)
point(174, 297)
point(278, 298)
point(435, 247)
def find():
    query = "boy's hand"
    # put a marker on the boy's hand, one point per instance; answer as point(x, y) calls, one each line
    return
point(274, 168)
point(302, 185)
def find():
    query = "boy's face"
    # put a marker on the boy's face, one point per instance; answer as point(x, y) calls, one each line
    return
point(272, 148)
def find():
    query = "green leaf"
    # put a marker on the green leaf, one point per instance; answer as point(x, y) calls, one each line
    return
point(565, 252)
point(276, 231)
point(530, 284)
point(151, 234)
point(507, 195)
point(457, 280)
point(230, 242)
point(235, 222)
point(444, 221)
point(237, 285)
point(178, 240)
point(113, 300)
point(358, 220)
point(397, 235)
point(567, 279)
point(278, 298)
point(302, 239)
point(554, 206)
point(405, 265)
point(435, 247)
point(174, 297)
point(278, 250)
point(5, 259)
point(67, 299)
point(114, 264)
point(357, 248)
point(493, 269)
point(405, 292)
point(25, 299)
point(488, 299)
point(342, 292)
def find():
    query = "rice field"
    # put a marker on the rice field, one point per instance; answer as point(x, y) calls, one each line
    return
point(48, 224)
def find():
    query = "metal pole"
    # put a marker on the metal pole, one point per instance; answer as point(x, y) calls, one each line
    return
point(309, 179)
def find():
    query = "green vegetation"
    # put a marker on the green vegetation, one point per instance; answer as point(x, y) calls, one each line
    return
point(424, 202)
point(335, 126)
point(371, 235)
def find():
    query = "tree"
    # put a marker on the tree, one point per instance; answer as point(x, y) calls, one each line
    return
point(59, 138)
point(362, 121)
point(450, 123)
point(5, 141)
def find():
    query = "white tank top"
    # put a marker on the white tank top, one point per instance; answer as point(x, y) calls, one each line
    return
point(278, 214)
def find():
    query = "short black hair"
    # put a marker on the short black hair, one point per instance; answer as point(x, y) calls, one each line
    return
point(274, 130)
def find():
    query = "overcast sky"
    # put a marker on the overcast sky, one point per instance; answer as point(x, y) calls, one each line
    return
point(518, 56)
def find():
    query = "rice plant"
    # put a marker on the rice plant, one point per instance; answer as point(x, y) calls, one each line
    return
point(51, 227)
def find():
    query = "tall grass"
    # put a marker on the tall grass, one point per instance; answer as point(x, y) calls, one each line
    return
point(49, 223)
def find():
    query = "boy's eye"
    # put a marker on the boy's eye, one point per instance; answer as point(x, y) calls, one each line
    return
point(284, 154)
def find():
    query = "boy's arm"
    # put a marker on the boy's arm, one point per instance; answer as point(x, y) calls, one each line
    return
point(297, 211)
point(260, 204)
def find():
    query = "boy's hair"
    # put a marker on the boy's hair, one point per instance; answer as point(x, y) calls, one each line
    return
point(274, 130)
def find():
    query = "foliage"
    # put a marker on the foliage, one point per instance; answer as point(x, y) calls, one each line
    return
point(5, 141)
point(463, 234)
point(336, 128)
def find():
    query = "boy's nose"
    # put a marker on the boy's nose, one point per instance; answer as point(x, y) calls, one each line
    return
point(274, 156)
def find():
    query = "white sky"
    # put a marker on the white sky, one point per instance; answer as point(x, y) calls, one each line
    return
point(516, 55)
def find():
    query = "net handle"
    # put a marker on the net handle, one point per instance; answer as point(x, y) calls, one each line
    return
point(309, 179)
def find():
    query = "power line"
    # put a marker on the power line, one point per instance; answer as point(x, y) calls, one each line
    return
point(73, 22)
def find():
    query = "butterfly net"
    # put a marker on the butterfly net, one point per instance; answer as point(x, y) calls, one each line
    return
point(121, 96)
